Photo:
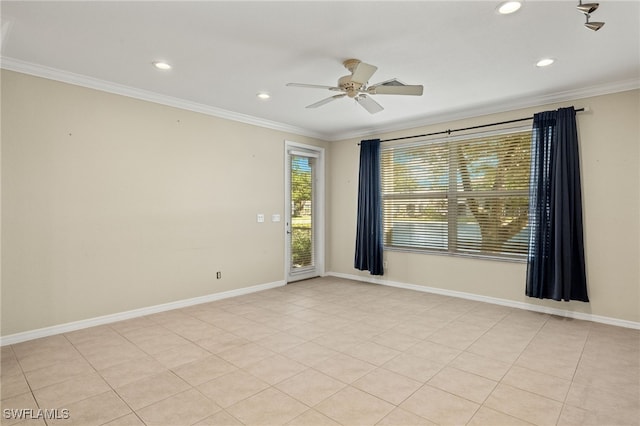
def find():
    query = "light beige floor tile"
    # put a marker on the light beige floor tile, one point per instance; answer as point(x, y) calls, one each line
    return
point(309, 330)
point(397, 341)
point(13, 385)
point(574, 416)
point(524, 405)
point(275, 369)
point(400, 417)
point(44, 344)
point(280, 342)
point(312, 418)
point(310, 386)
point(23, 401)
point(620, 407)
point(487, 417)
point(203, 370)
point(162, 343)
point(461, 383)
point(245, 355)
point(372, 353)
point(180, 355)
point(550, 359)
point(413, 367)
point(254, 332)
point(540, 359)
point(351, 406)
point(106, 342)
point(193, 329)
point(434, 352)
point(222, 342)
point(129, 420)
point(387, 385)
point(138, 335)
point(42, 358)
point(113, 355)
point(440, 407)
point(75, 389)
point(458, 334)
point(482, 366)
point(338, 341)
point(221, 418)
point(233, 387)
point(310, 353)
point(493, 350)
point(187, 407)
point(151, 389)
point(90, 334)
point(96, 410)
point(344, 368)
point(269, 407)
point(10, 367)
point(131, 371)
point(539, 383)
point(57, 373)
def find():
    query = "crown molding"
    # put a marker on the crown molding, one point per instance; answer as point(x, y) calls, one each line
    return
point(497, 107)
point(494, 108)
point(36, 70)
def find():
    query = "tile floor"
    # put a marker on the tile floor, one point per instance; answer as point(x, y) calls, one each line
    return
point(329, 351)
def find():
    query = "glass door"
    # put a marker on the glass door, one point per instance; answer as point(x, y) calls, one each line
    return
point(301, 221)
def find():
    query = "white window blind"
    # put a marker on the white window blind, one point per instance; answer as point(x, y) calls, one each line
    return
point(468, 195)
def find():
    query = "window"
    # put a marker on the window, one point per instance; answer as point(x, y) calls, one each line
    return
point(465, 195)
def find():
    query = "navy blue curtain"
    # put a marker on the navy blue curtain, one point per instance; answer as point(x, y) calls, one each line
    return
point(369, 227)
point(556, 266)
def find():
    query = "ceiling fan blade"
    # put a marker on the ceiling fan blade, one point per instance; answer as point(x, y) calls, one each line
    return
point(362, 73)
point(327, 100)
point(312, 86)
point(414, 90)
point(369, 104)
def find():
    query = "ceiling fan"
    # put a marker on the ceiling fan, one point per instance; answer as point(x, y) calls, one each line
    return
point(355, 86)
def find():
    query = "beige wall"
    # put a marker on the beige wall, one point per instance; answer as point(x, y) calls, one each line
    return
point(610, 158)
point(111, 204)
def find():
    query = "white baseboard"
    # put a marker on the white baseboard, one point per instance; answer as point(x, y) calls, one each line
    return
point(106, 319)
point(494, 300)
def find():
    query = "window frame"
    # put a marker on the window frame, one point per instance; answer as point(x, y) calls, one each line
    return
point(452, 194)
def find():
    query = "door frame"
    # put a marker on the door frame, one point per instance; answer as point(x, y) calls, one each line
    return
point(318, 206)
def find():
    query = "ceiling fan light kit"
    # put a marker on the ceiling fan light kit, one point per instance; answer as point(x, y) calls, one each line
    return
point(588, 9)
point(355, 86)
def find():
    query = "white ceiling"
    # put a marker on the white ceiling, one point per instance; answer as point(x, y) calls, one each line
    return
point(469, 59)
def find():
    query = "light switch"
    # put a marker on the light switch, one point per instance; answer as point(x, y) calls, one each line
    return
point(260, 218)
point(275, 218)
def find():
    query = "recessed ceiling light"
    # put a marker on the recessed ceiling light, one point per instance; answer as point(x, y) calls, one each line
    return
point(545, 62)
point(162, 65)
point(263, 95)
point(508, 7)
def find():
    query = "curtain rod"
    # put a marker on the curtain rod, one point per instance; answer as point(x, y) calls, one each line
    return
point(449, 131)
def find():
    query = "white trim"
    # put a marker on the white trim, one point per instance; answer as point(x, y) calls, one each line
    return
point(17, 65)
point(493, 300)
point(120, 316)
point(499, 106)
point(300, 149)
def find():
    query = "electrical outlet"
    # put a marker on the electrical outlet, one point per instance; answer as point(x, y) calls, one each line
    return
point(218, 275)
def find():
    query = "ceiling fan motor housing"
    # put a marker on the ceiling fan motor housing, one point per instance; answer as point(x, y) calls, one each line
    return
point(350, 87)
